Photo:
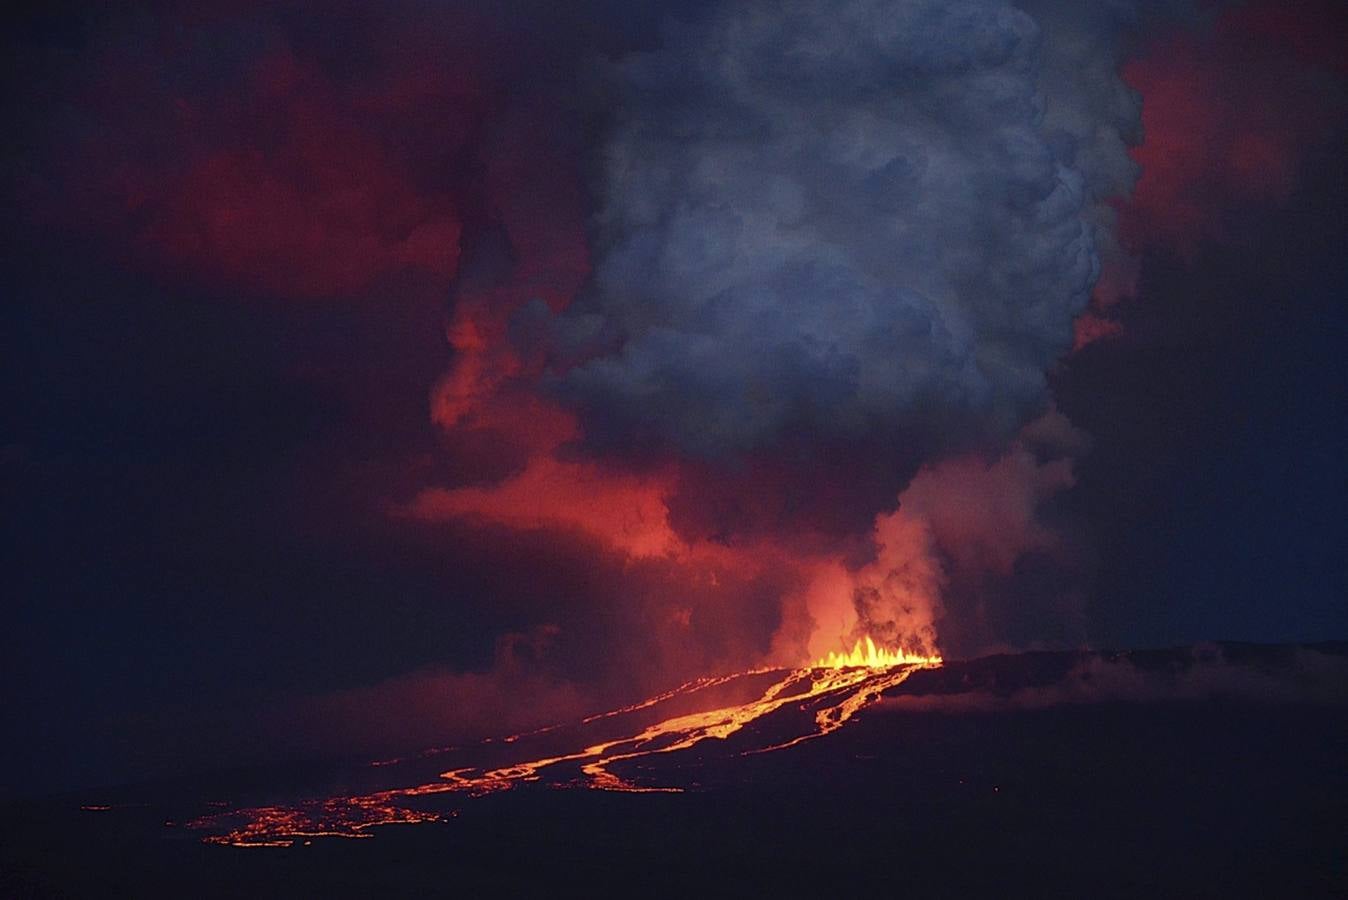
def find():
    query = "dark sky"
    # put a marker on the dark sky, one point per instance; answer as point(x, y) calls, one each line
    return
point(381, 377)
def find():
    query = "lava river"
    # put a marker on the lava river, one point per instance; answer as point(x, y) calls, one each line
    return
point(801, 704)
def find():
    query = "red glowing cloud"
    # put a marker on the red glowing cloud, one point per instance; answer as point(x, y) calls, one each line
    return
point(277, 174)
point(283, 176)
point(299, 201)
point(626, 512)
point(1227, 114)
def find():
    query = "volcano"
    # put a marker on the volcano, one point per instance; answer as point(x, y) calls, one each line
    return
point(1213, 770)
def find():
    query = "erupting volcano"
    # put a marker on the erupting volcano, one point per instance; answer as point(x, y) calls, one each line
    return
point(822, 441)
point(790, 706)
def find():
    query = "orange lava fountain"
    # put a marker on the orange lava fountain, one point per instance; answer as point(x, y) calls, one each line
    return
point(869, 655)
point(834, 689)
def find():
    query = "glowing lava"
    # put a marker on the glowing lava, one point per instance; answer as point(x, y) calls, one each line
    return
point(833, 691)
point(871, 656)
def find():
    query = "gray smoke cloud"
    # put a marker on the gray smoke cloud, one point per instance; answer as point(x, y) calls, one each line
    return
point(847, 220)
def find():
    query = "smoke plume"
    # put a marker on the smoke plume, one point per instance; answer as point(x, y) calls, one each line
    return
point(844, 222)
point(837, 245)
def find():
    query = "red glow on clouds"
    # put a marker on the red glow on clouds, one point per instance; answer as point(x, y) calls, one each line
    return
point(1227, 115)
point(626, 512)
point(1228, 112)
point(537, 199)
point(1090, 327)
point(285, 179)
point(985, 514)
point(969, 515)
point(294, 181)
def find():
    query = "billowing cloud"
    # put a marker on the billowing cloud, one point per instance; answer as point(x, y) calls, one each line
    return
point(847, 222)
point(691, 347)
point(1229, 111)
point(835, 246)
point(1232, 104)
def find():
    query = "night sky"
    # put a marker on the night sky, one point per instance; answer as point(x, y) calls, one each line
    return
point(380, 375)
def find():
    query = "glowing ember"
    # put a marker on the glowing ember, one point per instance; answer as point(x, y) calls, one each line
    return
point(865, 653)
point(339, 817)
point(834, 690)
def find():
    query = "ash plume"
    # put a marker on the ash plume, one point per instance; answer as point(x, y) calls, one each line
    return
point(836, 245)
point(856, 221)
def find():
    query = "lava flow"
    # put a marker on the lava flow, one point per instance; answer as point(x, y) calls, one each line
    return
point(834, 689)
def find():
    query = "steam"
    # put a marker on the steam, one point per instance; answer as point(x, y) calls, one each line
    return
point(834, 248)
point(858, 224)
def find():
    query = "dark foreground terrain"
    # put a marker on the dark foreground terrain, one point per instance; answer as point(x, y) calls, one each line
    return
point(1217, 771)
